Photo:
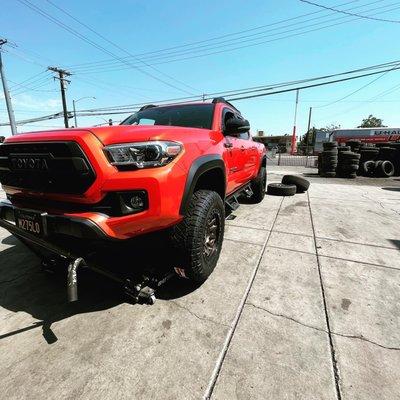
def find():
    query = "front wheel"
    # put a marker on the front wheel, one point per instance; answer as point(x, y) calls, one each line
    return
point(198, 237)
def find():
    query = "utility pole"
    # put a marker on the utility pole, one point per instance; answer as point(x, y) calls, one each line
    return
point(61, 77)
point(7, 93)
point(293, 144)
point(308, 129)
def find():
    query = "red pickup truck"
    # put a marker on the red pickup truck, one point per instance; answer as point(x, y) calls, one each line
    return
point(179, 167)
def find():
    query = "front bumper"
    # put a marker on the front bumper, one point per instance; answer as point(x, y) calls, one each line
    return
point(56, 225)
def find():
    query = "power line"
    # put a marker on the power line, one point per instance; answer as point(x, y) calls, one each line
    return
point(28, 80)
point(37, 84)
point(258, 88)
point(348, 13)
point(225, 49)
point(46, 15)
point(216, 37)
point(359, 89)
point(233, 98)
point(224, 46)
point(307, 86)
point(370, 100)
point(117, 46)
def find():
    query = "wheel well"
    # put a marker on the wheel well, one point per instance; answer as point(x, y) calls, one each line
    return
point(213, 179)
point(264, 162)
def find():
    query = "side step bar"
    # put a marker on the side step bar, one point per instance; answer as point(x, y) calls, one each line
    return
point(232, 202)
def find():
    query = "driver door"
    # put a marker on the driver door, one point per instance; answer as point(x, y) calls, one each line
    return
point(234, 156)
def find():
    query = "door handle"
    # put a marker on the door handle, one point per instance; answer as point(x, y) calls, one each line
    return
point(228, 145)
point(242, 148)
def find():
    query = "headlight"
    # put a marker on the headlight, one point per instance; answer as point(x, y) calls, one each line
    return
point(143, 154)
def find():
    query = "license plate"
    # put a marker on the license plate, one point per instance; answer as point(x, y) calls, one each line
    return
point(30, 221)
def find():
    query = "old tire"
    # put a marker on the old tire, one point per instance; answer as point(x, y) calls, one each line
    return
point(301, 184)
point(280, 189)
point(258, 186)
point(198, 237)
point(368, 168)
point(384, 169)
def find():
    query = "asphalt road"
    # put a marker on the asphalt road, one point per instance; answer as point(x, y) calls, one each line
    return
point(304, 304)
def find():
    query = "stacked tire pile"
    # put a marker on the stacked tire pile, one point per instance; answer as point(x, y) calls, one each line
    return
point(348, 164)
point(356, 158)
point(328, 160)
point(354, 145)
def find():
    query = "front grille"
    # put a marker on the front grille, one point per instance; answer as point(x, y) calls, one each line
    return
point(50, 167)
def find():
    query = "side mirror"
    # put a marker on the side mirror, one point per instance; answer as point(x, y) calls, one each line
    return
point(235, 126)
point(2, 139)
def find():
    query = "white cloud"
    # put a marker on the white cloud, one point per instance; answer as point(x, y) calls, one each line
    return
point(33, 103)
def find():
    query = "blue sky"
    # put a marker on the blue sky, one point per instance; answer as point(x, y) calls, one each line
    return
point(145, 26)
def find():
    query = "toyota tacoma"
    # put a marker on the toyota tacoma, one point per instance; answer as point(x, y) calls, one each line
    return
point(179, 168)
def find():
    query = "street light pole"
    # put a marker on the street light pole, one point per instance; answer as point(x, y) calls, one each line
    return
point(74, 107)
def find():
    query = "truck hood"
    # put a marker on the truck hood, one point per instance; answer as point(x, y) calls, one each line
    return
point(111, 134)
point(138, 133)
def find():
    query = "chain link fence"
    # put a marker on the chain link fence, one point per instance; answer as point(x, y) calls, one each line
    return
point(304, 157)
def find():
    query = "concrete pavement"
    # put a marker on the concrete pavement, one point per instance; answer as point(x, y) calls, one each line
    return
point(304, 304)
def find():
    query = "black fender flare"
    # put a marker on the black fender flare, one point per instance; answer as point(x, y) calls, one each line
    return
point(263, 161)
point(198, 168)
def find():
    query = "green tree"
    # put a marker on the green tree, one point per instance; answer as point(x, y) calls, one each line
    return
point(371, 122)
point(310, 135)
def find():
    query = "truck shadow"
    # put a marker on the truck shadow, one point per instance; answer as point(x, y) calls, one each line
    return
point(24, 287)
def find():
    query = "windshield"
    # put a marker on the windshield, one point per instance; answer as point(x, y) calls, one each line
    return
point(188, 115)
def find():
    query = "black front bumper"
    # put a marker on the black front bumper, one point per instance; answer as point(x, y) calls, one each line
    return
point(56, 226)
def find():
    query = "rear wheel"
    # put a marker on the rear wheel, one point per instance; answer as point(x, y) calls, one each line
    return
point(198, 238)
point(258, 186)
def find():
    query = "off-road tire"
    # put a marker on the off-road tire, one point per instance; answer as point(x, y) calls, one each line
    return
point(279, 189)
point(258, 186)
point(301, 184)
point(189, 237)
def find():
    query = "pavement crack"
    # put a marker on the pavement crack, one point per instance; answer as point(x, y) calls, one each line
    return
point(380, 203)
point(357, 337)
point(239, 311)
point(364, 339)
point(196, 315)
point(335, 368)
point(287, 317)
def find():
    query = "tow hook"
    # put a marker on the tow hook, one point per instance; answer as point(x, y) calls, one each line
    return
point(72, 280)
